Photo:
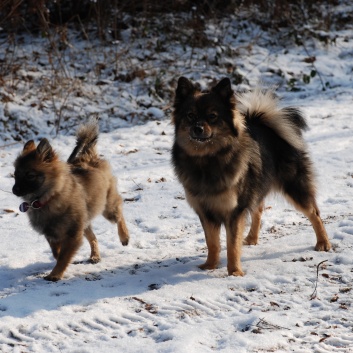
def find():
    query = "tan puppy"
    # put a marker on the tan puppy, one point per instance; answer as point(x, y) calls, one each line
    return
point(61, 198)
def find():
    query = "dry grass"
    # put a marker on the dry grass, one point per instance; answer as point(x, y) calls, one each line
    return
point(39, 15)
point(155, 26)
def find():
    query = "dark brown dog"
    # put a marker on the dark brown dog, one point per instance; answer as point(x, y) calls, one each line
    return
point(62, 198)
point(229, 154)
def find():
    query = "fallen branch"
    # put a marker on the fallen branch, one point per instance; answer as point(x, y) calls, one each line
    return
point(263, 324)
point(148, 307)
point(313, 295)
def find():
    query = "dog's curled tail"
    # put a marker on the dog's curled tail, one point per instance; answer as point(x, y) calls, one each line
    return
point(262, 106)
point(86, 140)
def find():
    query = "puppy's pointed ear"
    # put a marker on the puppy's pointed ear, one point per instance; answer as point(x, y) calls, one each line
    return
point(45, 151)
point(185, 88)
point(28, 147)
point(224, 89)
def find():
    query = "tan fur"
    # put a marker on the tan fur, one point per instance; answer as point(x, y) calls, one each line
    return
point(234, 232)
point(72, 194)
point(212, 236)
point(253, 236)
point(313, 214)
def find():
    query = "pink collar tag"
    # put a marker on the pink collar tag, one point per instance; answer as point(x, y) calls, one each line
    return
point(34, 204)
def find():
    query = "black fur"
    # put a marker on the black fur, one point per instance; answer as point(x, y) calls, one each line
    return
point(27, 179)
point(234, 159)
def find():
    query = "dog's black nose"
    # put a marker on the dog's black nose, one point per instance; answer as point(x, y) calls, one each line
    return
point(198, 130)
point(15, 190)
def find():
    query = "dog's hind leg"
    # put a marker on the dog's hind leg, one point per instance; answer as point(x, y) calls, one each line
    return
point(114, 213)
point(253, 236)
point(301, 193)
point(122, 229)
point(93, 243)
point(55, 248)
point(234, 231)
point(312, 212)
point(68, 249)
point(212, 236)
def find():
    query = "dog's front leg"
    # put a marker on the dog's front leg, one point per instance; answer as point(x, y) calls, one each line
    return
point(69, 246)
point(55, 248)
point(93, 243)
point(212, 235)
point(234, 230)
point(253, 236)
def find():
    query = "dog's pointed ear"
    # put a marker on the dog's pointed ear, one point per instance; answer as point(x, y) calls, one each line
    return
point(45, 151)
point(28, 147)
point(224, 89)
point(185, 88)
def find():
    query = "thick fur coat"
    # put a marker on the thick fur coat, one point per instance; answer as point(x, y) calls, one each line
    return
point(229, 153)
point(61, 198)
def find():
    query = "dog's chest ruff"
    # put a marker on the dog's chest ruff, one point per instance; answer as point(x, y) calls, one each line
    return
point(220, 203)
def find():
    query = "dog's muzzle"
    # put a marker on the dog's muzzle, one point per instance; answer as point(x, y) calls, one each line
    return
point(200, 133)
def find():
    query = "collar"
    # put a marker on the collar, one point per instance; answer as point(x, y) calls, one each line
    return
point(35, 204)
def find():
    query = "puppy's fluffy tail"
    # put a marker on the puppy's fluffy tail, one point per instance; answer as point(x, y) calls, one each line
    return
point(263, 107)
point(86, 140)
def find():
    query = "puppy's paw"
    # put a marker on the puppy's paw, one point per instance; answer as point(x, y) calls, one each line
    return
point(94, 259)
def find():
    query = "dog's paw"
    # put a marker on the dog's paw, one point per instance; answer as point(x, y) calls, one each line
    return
point(125, 242)
point(323, 246)
point(237, 273)
point(249, 241)
point(52, 278)
point(94, 259)
point(208, 266)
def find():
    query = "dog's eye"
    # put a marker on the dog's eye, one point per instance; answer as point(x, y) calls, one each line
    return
point(191, 116)
point(212, 118)
point(31, 175)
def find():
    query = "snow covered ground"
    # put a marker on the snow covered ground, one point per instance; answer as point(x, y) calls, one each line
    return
point(151, 296)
